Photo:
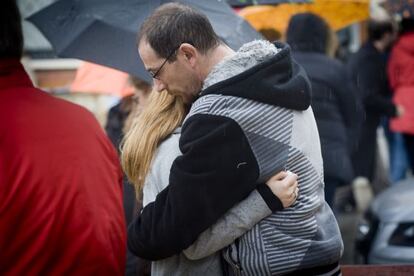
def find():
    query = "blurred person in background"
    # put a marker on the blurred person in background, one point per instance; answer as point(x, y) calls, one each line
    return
point(60, 180)
point(120, 118)
point(367, 69)
point(398, 159)
point(333, 102)
point(117, 122)
point(401, 77)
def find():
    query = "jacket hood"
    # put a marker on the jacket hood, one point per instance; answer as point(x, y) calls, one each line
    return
point(406, 43)
point(263, 72)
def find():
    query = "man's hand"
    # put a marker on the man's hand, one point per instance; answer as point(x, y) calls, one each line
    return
point(285, 186)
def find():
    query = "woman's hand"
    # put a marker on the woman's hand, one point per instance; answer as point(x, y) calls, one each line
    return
point(284, 185)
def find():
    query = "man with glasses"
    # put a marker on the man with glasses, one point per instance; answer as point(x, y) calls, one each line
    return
point(155, 75)
point(249, 119)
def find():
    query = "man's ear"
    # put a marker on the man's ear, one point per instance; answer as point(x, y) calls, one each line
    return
point(189, 53)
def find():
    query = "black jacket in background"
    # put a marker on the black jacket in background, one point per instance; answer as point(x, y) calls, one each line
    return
point(117, 116)
point(336, 112)
point(114, 126)
point(367, 69)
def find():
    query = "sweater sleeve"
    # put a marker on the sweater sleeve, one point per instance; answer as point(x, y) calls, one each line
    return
point(236, 222)
point(216, 170)
point(157, 178)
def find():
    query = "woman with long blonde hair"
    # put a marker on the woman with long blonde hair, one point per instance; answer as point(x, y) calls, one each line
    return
point(149, 149)
point(163, 115)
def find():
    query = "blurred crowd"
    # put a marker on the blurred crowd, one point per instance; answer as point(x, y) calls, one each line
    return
point(356, 95)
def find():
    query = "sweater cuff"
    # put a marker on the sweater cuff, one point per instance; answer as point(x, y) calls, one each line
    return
point(272, 201)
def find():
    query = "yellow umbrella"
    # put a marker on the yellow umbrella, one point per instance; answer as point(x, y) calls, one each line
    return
point(338, 13)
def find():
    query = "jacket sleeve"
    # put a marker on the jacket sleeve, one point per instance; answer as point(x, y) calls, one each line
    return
point(240, 219)
point(217, 170)
point(381, 104)
point(377, 98)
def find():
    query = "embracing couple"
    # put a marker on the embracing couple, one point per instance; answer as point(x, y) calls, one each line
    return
point(212, 153)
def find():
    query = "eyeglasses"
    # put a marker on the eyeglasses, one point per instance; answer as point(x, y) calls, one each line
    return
point(155, 75)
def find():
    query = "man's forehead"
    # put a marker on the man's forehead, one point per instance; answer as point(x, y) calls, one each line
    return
point(147, 54)
point(146, 48)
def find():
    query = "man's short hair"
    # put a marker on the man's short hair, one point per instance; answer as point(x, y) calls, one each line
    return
point(11, 36)
point(378, 28)
point(172, 24)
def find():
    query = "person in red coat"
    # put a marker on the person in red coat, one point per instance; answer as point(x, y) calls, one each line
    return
point(401, 76)
point(60, 180)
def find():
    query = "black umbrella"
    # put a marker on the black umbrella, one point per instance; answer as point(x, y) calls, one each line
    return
point(244, 3)
point(104, 31)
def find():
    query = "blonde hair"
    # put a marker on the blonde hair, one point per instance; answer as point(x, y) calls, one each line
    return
point(162, 114)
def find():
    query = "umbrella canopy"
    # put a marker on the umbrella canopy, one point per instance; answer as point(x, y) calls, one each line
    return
point(338, 13)
point(244, 3)
point(104, 31)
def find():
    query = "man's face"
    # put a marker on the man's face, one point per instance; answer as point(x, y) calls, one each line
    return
point(178, 76)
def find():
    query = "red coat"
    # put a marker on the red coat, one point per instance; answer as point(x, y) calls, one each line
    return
point(60, 185)
point(401, 77)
